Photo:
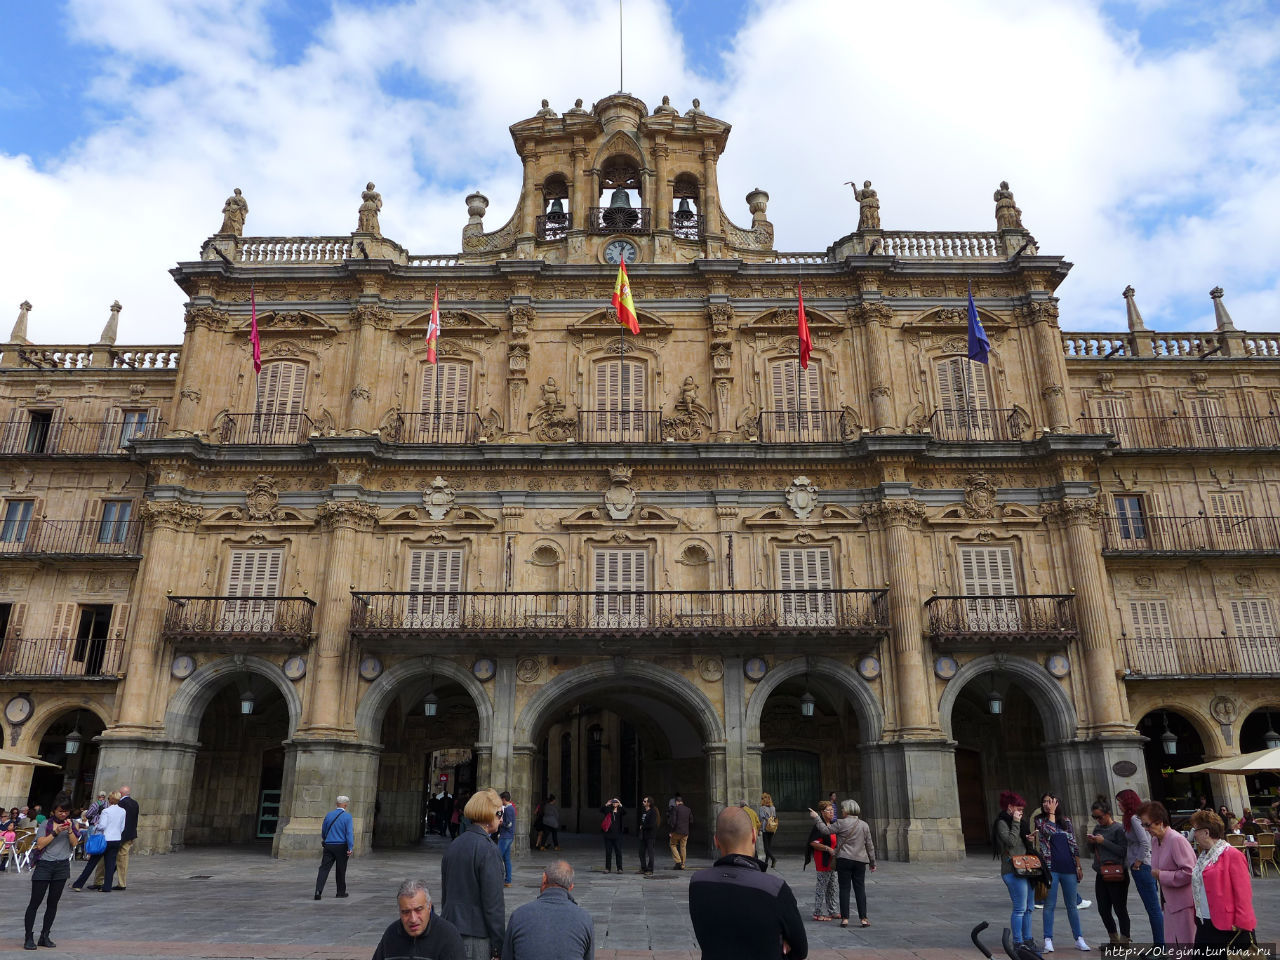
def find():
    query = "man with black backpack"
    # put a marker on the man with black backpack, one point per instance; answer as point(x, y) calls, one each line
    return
point(338, 839)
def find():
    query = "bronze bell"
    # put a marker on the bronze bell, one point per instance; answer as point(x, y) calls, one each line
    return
point(555, 212)
point(619, 215)
point(683, 212)
point(620, 198)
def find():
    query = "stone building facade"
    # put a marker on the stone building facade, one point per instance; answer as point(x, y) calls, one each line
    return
point(565, 559)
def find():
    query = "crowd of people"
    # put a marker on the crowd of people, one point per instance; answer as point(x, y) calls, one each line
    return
point(1193, 897)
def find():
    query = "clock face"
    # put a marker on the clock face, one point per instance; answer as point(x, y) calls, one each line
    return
point(18, 709)
point(619, 250)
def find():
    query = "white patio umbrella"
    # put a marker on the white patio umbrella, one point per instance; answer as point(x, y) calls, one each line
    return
point(8, 756)
point(1260, 761)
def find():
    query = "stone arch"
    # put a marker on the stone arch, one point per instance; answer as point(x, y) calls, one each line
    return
point(373, 706)
point(858, 691)
point(1057, 712)
point(47, 712)
point(1205, 726)
point(187, 707)
point(666, 684)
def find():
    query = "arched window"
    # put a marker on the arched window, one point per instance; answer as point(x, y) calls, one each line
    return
point(686, 212)
point(795, 402)
point(619, 413)
point(445, 404)
point(964, 401)
point(621, 204)
point(282, 392)
point(557, 217)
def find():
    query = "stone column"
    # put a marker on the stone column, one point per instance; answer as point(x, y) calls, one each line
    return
point(717, 792)
point(529, 207)
point(660, 202)
point(159, 777)
point(1079, 518)
point(166, 521)
point(711, 188)
point(205, 337)
point(874, 316)
point(316, 772)
point(1051, 365)
point(368, 320)
point(911, 787)
point(522, 317)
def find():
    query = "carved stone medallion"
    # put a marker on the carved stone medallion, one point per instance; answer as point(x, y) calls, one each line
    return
point(979, 496)
point(620, 498)
point(711, 669)
point(528, 670)
point(802, 497)
point(262, 499)
point(439, 499)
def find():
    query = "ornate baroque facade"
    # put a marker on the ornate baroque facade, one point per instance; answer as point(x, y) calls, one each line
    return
point(615, 564)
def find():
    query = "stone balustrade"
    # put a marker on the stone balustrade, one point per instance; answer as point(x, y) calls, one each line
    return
point(942, 245)
point(294, 249)
point(24, 356)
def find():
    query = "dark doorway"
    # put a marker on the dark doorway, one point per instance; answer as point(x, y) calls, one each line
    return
point(973, 805)
point(793, 778)
point(1179, 792)
point(91, 638)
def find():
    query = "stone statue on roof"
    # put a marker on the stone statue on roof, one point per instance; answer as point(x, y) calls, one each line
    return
point(546, 110)
point(576, 109)
point(234, 212)
point(1008, 216)
point(370, 204)
point(665, 107)
point(868, 206)
point(696, 110)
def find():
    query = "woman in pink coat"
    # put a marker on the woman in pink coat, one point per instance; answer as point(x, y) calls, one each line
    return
point(1220, 887)
point(1172, 860)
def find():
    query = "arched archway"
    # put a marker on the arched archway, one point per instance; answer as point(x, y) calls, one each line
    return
point(1176, 738)
point(1261, 790)
point(187, 707)
point(66, 736)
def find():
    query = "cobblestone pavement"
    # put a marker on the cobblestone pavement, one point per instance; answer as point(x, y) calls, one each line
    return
point(234, 903)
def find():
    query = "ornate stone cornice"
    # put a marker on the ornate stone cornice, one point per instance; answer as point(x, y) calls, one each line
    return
point(171, 515)
point(372, 314)
point(1075, 510)
point(353, 514)
point(207, 317)
point(896, 512)
point(865, 313)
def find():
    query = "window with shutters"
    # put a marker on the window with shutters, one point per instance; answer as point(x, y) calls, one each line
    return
point(40, 436)
point(1227, 520)
point(795, 401)
point(445, 403)
point(619, 402)
point(1208, 423)
point(254, 575)
point(619, 581)
point(1153, 636)
point(114, 525)
point(91, 640)
point(989, 572)
point(806, 579)
point(435, 585)
point(1131, 520)
point(1256, 628)
point(282, 393)
point(17, 521)
point(964, 401)
point(1113, 417)
point(11, 620)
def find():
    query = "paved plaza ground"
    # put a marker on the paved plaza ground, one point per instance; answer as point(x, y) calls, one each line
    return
point(232, 903)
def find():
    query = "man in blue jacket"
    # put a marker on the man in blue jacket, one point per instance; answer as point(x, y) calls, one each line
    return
point(553, 927)
point(338, 840)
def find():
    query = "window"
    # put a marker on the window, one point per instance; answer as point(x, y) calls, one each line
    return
point(989, 572)
point(133, 423)
point(1131, 522)
point(91, 640)
point(252, 573)
point(282, 390)
point(445, 403)
point(1113, 417)
point(40, 432)
point(1228, 523)
point(619, 582)
point(806, 578)
point(964, 401)
point(435, 582)
point(114, 525)
point(17, 521)
point(619, 403)
point(1153, 636)
point(1256, 628)
point(796, 401)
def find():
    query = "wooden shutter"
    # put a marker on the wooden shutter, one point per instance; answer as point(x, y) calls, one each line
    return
point(1226, 511)
point(989, 572)
point(1256, 649)
point(435, 582)
point(17, 617)
point(282, 391)
point(620, 579)
point(252, 573)
point(445, 402)
point(12, 644)
point(796, 400)
point(57, 424)
point(64, 625)
point(113, 661)
point(110, 440)
point(964, 399)
point(806, 569)
point(609, 425)
point(1208, 426)
point(1153, 636)
point(1113, 414)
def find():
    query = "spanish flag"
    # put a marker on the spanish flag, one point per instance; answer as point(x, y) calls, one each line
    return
point(622, 301)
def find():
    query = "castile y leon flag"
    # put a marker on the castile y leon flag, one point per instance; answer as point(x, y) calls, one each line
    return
point(802, 325)
point(433, 327)
point(253, 332)
point(622, 301)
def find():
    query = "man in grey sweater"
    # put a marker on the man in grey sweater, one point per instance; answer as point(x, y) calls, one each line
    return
point(553, 927)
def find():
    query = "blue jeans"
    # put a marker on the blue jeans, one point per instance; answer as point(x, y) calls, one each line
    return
point(504, 848)
point(1069, 896)
point(1149, 891)
point(1022, 894)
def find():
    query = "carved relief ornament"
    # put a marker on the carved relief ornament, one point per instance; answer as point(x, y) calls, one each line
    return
point(1073, 510)
point(896, 512)
point(871, 313)
point(207, 317)
point(355, 514)
point(802, 497)
point(171, 514)
point(372, 314)
point(263, 499)
point(979, 496)
point(438, 500)
point(620, 498)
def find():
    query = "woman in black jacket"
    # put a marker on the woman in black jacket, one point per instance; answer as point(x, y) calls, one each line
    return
point(648, 830)
point(611, 827)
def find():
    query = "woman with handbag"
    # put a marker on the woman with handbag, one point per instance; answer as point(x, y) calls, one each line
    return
point(1172, 861)
point(1220, 887)
point(103, 844)
point(1061, 858)
point(1111, 881)
point(768, 827)
point(1137, 858)
point(1018, 869)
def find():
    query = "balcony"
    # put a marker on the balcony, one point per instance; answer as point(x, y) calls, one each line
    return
point(554, 226)
point(72, 540)
point(603, 220)
point(968, 424)
point(812, 426)
point(1187, 433)
point(1150, 536)
point(96, 659)
point(619, 426)
point(41, 437)
point(442, 427)
point(1208, 657)
point(663, 619)
point(263, 428)
point(274, 622)
point(688, 225)
point(1023, 620)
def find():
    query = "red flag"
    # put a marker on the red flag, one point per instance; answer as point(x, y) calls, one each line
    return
point(253, 332)
point(433, 328)
point(806, 342)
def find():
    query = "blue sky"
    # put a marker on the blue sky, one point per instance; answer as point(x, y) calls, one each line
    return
point(1142, 138)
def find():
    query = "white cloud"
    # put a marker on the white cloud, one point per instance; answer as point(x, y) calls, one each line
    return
point(934, 102)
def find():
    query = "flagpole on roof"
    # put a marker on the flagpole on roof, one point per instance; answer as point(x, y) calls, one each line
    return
point(621, 87)
point(799, 351)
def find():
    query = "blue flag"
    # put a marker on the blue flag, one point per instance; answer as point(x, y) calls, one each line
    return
point(979, 345)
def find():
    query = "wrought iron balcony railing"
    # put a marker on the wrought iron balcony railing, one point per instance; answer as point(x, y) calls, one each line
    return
point(1203, 657)
point(441, 427)
point(264, 619)
point(705, 614)
point(554, 226)
point(1023, 617)
point(688, 226)
point(71, 538)
point(966, 424)
point(619, 426)
point(1187, 433)
point(1186, 535)
point(619, 220)
point(40, 437)
point(263, 428)
point(42, 657)
point(810, 426)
